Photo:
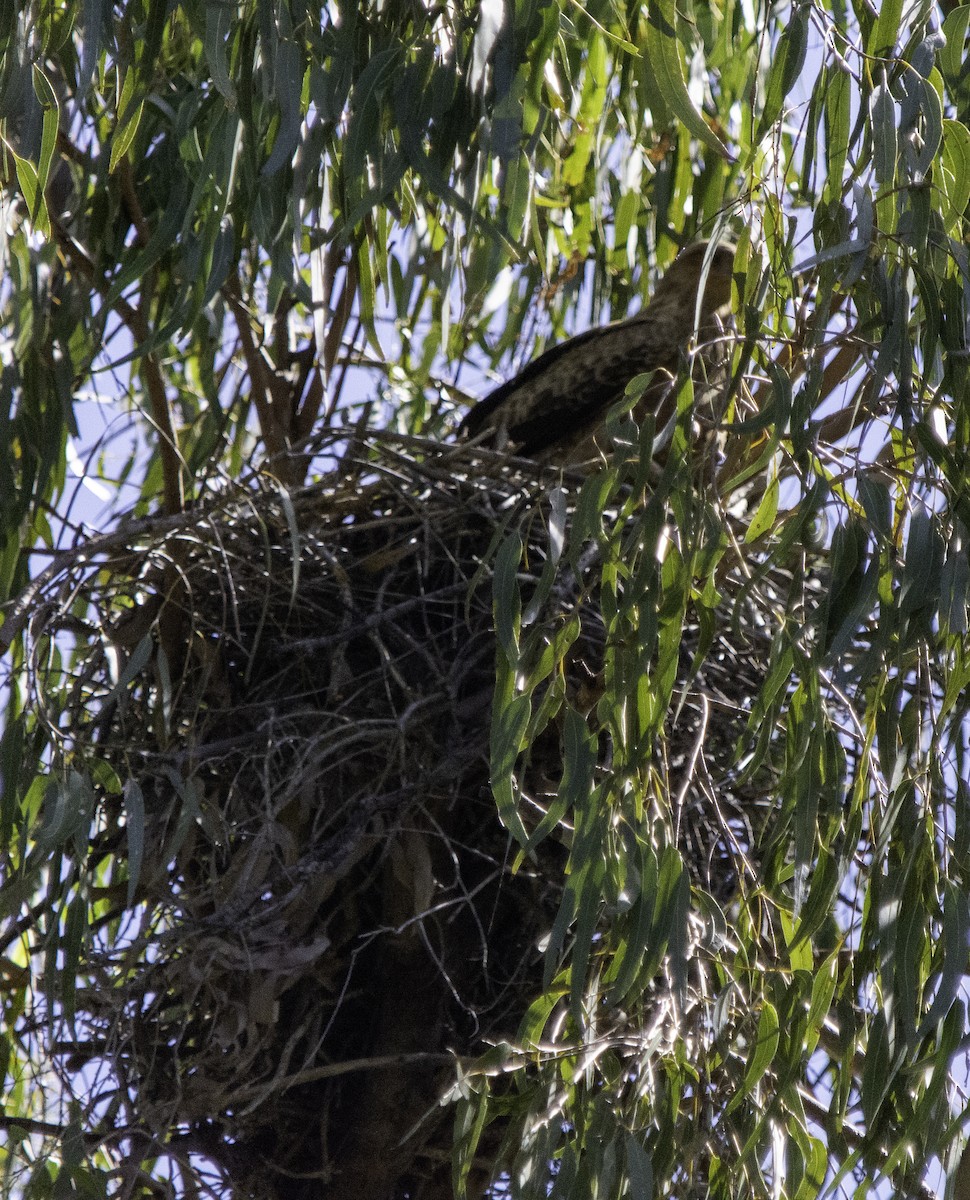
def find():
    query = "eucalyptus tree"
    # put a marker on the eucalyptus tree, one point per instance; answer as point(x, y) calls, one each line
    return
point(384, 815)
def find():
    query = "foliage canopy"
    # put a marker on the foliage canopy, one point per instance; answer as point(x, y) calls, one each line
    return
point(256, 259)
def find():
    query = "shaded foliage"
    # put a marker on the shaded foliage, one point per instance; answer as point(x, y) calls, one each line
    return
point(705, 930)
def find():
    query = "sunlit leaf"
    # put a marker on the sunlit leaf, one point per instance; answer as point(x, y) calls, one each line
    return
point(663, 48)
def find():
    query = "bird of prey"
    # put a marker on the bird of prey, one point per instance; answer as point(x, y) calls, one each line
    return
point(552, 410)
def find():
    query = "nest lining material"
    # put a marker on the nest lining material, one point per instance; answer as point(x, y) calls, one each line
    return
point(322, 876)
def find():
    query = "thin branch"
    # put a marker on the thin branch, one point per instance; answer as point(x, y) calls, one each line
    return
point(270, 391)
point(130, 197)
point(134, 318)
point(338, 325)
point(348, 1066)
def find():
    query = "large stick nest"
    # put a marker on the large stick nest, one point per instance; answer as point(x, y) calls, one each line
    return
point(319, 906)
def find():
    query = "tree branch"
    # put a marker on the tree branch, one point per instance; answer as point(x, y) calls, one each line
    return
point(134, 318)
point(270, 392)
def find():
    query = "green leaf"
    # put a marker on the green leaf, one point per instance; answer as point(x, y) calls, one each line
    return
point(764, 519)
point(591, 112)
point(885, 146)
point(852, 589)
point(66, 805)
point(134, 802)
point(361, 137)
point(136, 663)
point(664, 52)
point(955, 588)
point(218, 25)
point(639, 1169)
point(510, 719)
point(908, 951)
point(75, 919)
point(129, 115)
point(15, 763)
point(289, 71)
point(837, 107)
point(641, 948)
point(762, 1052)
point(587, 883)
point(952, 948)
point(823, 990)
point(953, 56)
point(506, 602)
point(27, 178)
point(877, 502)
point(885, 29)
point(577, 780)
point(920, 582)
point(221, 261)
point(189, 792)
point(921, 159)
point(672, 926)
point(786, 67)
point(952, 172)
point(877, 1067)
point(470, 1120)
point(39, 216)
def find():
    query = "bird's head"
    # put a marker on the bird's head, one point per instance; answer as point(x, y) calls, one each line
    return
point(683, 277)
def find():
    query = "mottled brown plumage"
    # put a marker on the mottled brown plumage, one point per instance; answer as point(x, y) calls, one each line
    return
point(553, 408)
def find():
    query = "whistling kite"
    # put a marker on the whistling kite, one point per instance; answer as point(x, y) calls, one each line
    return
point(554, 407)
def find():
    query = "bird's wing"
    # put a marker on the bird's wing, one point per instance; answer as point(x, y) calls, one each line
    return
point(570, 386)
point(567, 390)
point(478, 417)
